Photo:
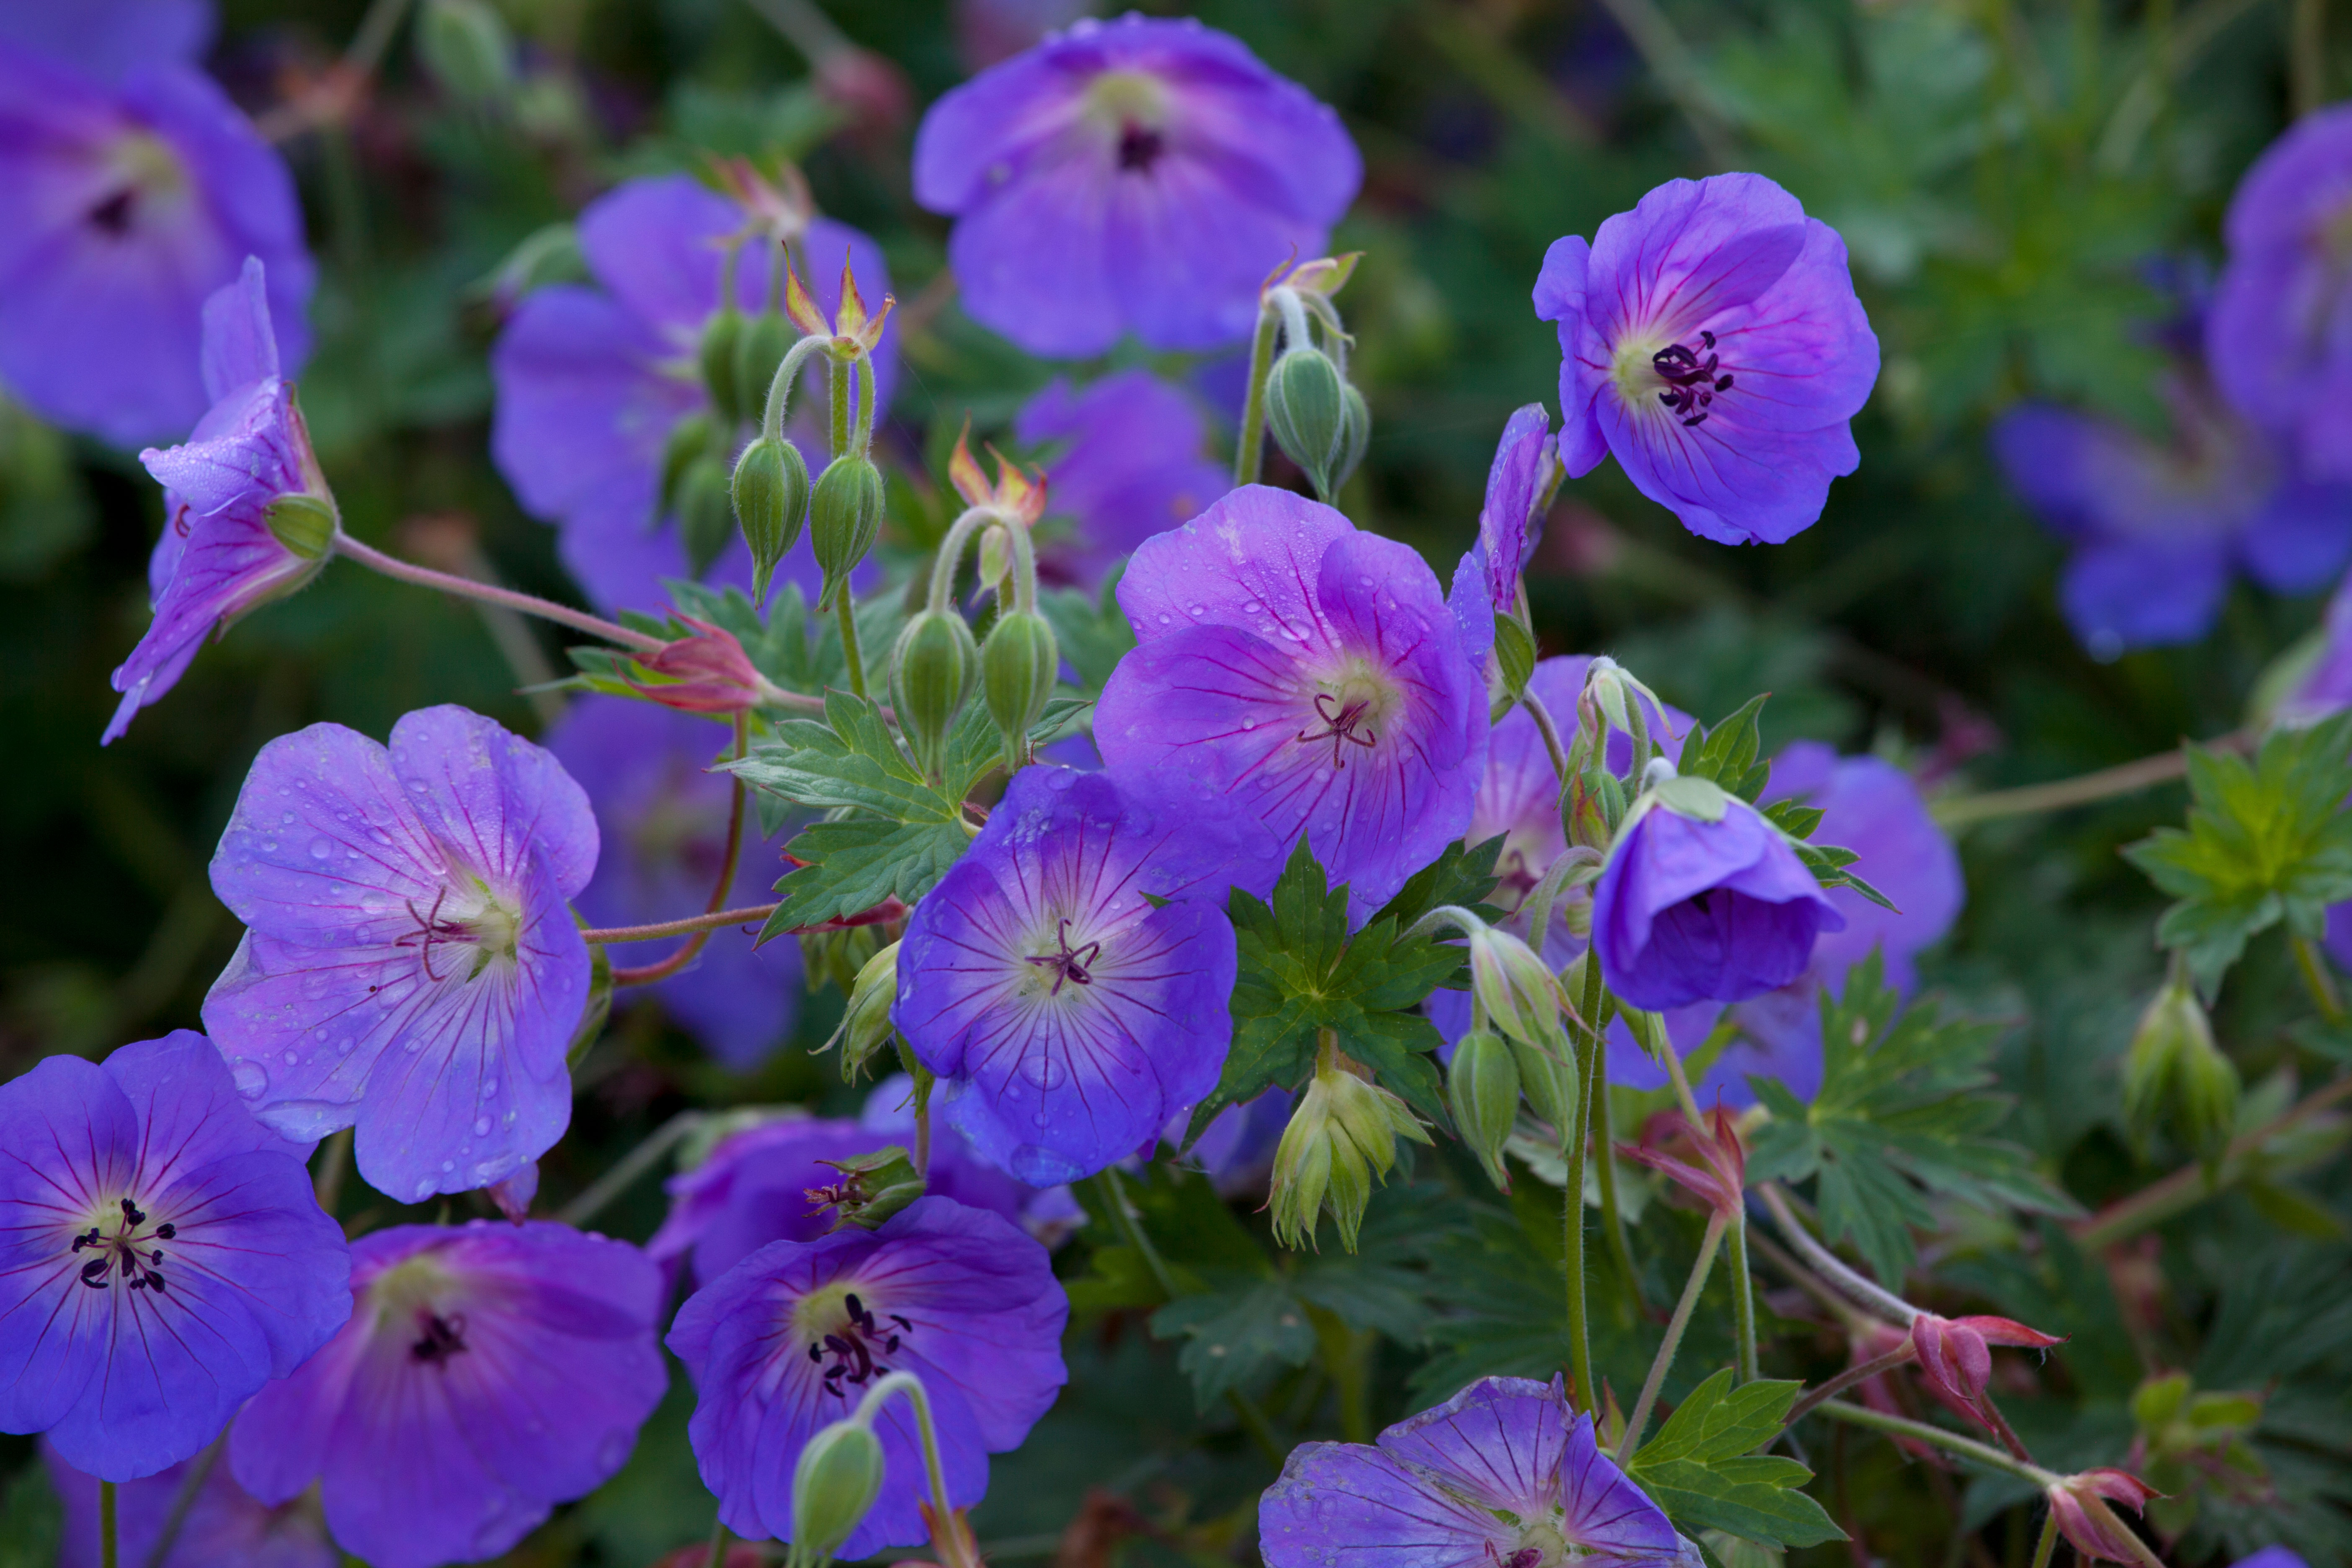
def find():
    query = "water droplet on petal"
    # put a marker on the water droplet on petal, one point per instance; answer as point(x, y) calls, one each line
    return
point(249, 1079)
point(320, 847)
point(481, 1126)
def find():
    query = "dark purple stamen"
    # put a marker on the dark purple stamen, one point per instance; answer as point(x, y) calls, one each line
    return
point(439, 1338)
point(1070, 964)
point(430, 928)
point(1691, 381)
point(113, 216)
point(1140, 147)
point(1340, 727)
point(859, 1346)
point(141, 1266)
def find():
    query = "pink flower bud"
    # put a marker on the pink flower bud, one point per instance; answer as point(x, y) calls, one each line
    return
point(706, 673)
point(1956, 1356)
point(2090, 1525)
point(1722, 1179)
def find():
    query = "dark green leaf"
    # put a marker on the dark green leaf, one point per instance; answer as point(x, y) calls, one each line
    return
point(855, 864)
point(1727, 753)
point(1232, 1334)
point(1703, 1470)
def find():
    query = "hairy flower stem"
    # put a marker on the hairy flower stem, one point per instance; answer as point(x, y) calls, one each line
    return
point(1968, 1448)
point(2312, 966)
point(1571, 1230)
point(467, 588)
point(1612, 1215)
point(1130, 1225)
point(632, 1165)
point(2047, 1546)
point(1715, 1225)
point(1743, 1299)
point(1863, 1292)
point(951, 1537)
point(1814, 1398)
point(109, 1552)
point(2190, 1185)
point(2127, 778)
point(184, 1499)
point(686, 927)
point(646, 973)
point(1550, 731)
point(719, 1537)
point(1249, 452)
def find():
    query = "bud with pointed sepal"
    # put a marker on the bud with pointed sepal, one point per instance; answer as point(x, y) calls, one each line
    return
point(2174, 1074)
point(845, 520)
point(1340, 1140)
point(933, 668)
point(771, 494)
point(1482, 1086)
point(1017, 671)
point(865, 1023)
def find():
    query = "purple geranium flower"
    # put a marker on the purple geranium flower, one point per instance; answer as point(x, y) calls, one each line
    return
point(489, 1372)
point(591, 381)
point(646, 770)
point(164, 1255)
point(218, 557)
point(1132, 466)
point(1506, 531)
point(1312, 674)
point(1068, 1015)
point(1139, 176)
point(754, 1189)
point(2158, 527)
point(783, 1343)
point(1703, 898)
point(130, 189)
point(2279, 334)
point(1711, 339)
point(225, 1526)
point(410, 967)
point(1501, 1473)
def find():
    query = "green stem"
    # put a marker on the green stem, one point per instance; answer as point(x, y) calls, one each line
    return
point(2125, 778)
point(837, 396)
point(2189, 1186)
point(719, 1537)
point(1571, 1226)
point(376, 560)
point(1984, 1454)
point(2307, 55)
point(778, 408)
point(687, 926)
point(1550, 733)
point(184, 1499)
point(632, 1165)
point(848, 614)
point(1863, 1292)
point(1816, 1397)
point(2047, 1547)
point(1743, 1299)
point(110, 1549)
point(1612, 1215)
point(1673, 1341)
point(2317, 980)
point(1249, 455)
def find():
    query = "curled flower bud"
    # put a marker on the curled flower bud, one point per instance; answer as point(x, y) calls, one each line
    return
point(771, 498)
point(834, 1481)
point(865, 1022)
point(1018, 493)
point(2175, 1073)
point(2081, 1501)
point(1482, 1087)
point(1720, 1179)
point(1955, 1359)
point(844, 519)
point(1517, 991)
point(932, 671)
point(1017, 671)
point(1341, 1137)
point(706, 673)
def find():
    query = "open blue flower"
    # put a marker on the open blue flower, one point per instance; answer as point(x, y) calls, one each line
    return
point(410, 966)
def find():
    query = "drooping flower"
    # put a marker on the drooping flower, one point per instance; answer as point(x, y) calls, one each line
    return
point(591, 381)
point(759, 1186)
point(409, 966)
point(488, 1371)
point(1141, 175)
point(2280, 333)
point(663, 817)
point(1067, 1015)
point(226, 1526)
point(164, 1257)
point(1703, 899)
point(2088, 1523)
point(130, 189)
point(1711, 339)
point(785, 1343)
point(2159, 528)
point(229, 543)
point(1502, 1472)
point(1956, 1356)
point(1312, 674)
point(1130, 466)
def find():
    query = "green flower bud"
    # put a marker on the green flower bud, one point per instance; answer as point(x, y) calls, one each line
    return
point(1307, 410)
point(772, 497)
point(760, 348)
point(691, 438)
point(2174, 1073)
point(844, 519)
point(722, 335)
point(1341, 1139)
point(835, 1480)
point(1514, 654)
point(865, 1022)
point(1017, 671)
point(304, 524)
point(932, 671)
point(1550, 1083)
point(465, 48)
point(1482, 1087)
point(1355, 436)
point(873, 1188)
point(706, 515)
point(1518, 992)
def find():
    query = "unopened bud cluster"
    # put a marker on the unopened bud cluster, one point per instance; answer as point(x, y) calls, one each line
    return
point(2175, 1076)
point(1318, 419)
point(1341, 1139)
